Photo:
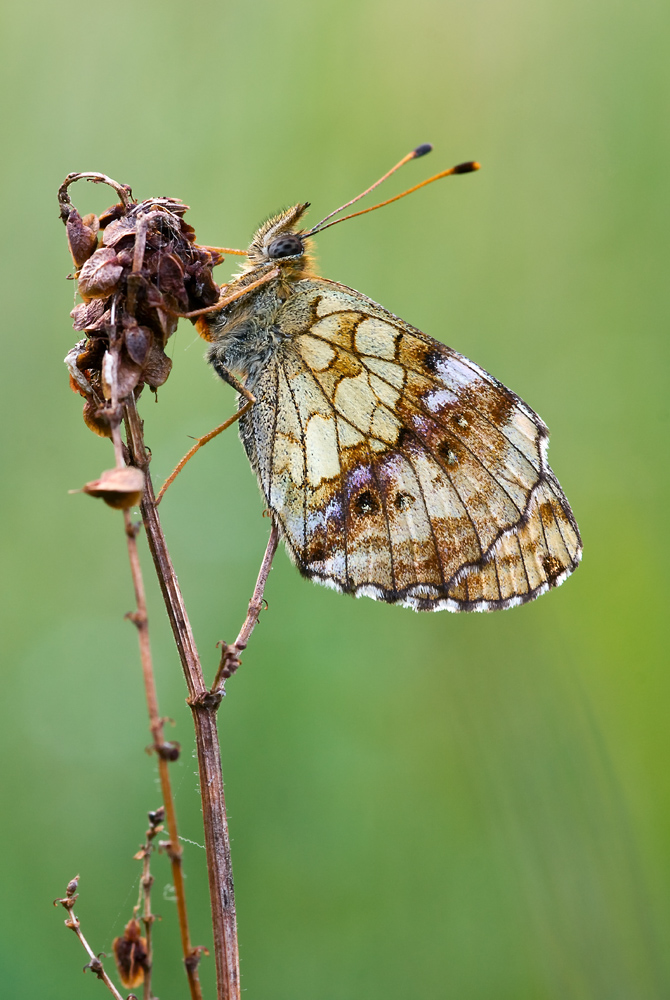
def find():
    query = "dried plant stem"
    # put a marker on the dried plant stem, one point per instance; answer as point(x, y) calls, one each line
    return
point(123, 191)
point(230, 655)
point(147, 917)
point(94, 963)
point(203, 705)
point(164, 750)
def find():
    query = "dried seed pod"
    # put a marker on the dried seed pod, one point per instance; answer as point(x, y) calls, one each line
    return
point(116, 230)
point(157, 367)
point(170, 275)
point(78, 381)
point(100, 274)
point(120, 373)
point(138, 340)
point(169, 750)
point(120, 488)
point(112, 213)
point(82, 235)
point(130, 955)
point(88, 315)
point(96, 420)
point(156, 816)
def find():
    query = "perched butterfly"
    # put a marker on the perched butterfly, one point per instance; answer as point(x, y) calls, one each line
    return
point(393, 466)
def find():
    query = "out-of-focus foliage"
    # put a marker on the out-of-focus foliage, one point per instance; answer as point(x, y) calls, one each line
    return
point(428, 806)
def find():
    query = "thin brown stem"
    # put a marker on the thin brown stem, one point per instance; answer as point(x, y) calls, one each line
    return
point(166, 751)
point(256, 603)
point(230, 655)
point(147, 918)
point(94, 963)
point(203, 706)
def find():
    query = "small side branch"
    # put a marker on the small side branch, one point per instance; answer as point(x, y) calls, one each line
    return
point(94, 963)
point(230, 655)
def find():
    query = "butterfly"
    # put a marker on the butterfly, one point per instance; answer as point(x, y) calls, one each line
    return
point(392, 465)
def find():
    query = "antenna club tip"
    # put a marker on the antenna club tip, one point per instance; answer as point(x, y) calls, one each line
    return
point(467, 168)
point(421, 150)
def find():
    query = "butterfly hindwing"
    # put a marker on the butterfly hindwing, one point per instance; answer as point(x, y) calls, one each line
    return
point(399, 469)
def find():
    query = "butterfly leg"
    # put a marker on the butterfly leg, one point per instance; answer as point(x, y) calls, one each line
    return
point(230, 655)
point(227, 299)
point(251, 399)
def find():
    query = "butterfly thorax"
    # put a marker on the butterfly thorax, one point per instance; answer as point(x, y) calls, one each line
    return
point(246, 335)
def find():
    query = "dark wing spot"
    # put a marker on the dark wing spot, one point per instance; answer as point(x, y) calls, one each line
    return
point(403, 501)
point(366, 503)
point(446, 450)
point(552, 566)
point(547, 514)
point(432, 360)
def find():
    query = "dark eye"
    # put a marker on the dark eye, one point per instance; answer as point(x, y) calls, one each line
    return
point(285, 246)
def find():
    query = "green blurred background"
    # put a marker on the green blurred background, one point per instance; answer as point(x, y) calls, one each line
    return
point(437, 806)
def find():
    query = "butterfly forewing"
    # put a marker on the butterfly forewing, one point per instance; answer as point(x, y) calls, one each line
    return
point(397, 468)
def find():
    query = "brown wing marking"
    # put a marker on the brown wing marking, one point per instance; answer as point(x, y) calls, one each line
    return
point(513, 457)
point(417, 559)
point(424, 367)
point(385, 515)
point(527, 560)
point(466, 426)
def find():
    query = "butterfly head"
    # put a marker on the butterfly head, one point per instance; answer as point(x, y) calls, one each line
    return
point(278, 242)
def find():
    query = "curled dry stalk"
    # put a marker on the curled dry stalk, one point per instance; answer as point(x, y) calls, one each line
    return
point(138, 269)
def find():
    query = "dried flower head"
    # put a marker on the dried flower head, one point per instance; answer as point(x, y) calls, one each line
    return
point(137, 268)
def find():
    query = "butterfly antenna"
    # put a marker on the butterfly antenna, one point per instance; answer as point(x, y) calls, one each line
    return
point(460, 168)
point(421, 150)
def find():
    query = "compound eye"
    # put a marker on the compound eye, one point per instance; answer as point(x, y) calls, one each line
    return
point(285, 246)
